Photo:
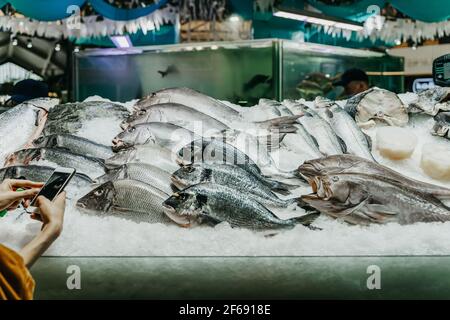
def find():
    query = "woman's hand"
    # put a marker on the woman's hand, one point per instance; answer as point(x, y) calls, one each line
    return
point(51, 213)
point(10, 198)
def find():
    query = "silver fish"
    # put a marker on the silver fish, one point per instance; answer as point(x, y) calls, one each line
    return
point(154, 155)
point(20, 125)
point(230, 176)
point(356, 142)
point(365, 199)
point(329, 143)
point(74, 144)
point(128, 199)
point(177, 114)
point(352, 164)
point(143, 172)
point(93, 167)
point(166, 135)
point(213, 203)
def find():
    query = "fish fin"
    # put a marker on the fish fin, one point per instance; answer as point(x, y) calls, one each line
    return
point(305, 206)
point(342, 144)
point(381, 209)
point(280, 123)
point(306, 219)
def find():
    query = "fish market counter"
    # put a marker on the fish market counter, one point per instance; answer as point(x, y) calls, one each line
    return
point(412, 277)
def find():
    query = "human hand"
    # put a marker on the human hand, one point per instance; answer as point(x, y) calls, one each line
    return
point(10, 198)
point(51, 213)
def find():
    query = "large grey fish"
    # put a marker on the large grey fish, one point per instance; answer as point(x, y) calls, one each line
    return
point(352, 164)
point(166, 135)
point(143, 172)
point(214, 109)
point(74, 144)
point(377, 104)
point(40, 173)
point(68, 118)
point(128, 199)
point(329, 143)
point(356, 142)
point(178, 114)
point(217, 151)
point(230, 176)
point(20, 125)
point(150, 154)
point(441, 126)
point(213, 203)
point(365, 199)
point(93, 167)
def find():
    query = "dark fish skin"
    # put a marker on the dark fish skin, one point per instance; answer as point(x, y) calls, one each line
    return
point(212, 203)
point(128, 199)
point(337, 164)
point(230, 176)
point(365, 199)
point(74, 144)
point(216, 151)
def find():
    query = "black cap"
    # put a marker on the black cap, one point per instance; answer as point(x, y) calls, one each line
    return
point(352, 75)
point(29, 89)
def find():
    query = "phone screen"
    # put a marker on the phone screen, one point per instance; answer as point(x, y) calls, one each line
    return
point(53, 186)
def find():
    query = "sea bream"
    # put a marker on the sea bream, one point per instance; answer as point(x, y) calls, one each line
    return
point(365, 199)
point(230, 176)
point(75, 144)
point(93, 167)
point(352, 164)
point(127, 199)
point(143, 172)
point(212, 203)
point(154, 155)
point(20, 125)
point(215, 109)
point(356, 142)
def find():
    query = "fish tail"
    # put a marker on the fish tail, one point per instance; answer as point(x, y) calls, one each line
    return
point(307, 219)
point(282, 124)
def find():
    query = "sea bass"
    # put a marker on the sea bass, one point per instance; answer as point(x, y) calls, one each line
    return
point(93, 167)
point(365, 199)
point(127, 199)
point(352, 164)
point(356, 142)
point(213, 203)
point(154, 155)
point(75, 144)
point(20, 125)
point(143, 172)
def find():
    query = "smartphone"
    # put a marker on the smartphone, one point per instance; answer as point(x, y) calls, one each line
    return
point(54, 186)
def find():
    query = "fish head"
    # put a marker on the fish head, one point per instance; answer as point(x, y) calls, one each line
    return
point(185, 207)
point(46, 141)
point(191, 153)
point(111, 175)
point(133, 135)
point(442, 125)
point(328, 165)
point(121, 157)
point(138, 116)
point(188, 175)
point(339, 188)
point(24, 156)
point(100, 199)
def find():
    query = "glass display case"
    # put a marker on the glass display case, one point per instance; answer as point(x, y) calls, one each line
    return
point(240, 72)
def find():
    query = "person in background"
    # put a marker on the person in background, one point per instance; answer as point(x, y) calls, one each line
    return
point(26, 90)
point(354, 81)
point(16, 281)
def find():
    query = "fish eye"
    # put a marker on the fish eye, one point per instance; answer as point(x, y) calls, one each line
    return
point(142, 112)
point(98, 192)
point(131, 129)
point(379, 114)
point(190, 169)
point(335, 178)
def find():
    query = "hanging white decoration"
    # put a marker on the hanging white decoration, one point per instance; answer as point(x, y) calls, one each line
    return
point(88, 26)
